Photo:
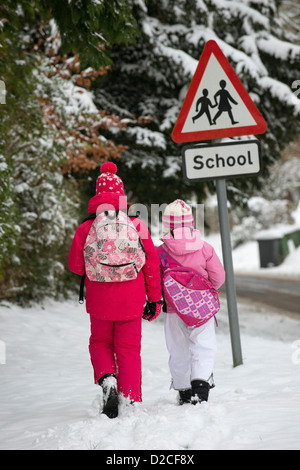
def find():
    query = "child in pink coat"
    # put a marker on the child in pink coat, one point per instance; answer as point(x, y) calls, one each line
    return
point(192, 350)
point(116, 308)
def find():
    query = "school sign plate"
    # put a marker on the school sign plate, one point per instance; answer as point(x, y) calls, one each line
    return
point(227, 160)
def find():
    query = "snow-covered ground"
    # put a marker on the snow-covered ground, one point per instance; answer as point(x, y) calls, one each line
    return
point(246, 260)
point(48, 399)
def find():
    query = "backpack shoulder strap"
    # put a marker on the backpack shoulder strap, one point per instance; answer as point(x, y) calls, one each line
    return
point(81, 289)
point(167, 261)
point(89, 217)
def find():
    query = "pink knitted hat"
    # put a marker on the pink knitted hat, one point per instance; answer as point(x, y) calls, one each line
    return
point(177, 214)
point(108, 181)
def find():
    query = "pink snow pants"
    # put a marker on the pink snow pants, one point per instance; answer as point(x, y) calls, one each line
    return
point(115, 347)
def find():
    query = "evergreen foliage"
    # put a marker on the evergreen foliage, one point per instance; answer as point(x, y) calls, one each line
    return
point(93, 80)
point(48, 125)
point(149, 81)
point(84, 24)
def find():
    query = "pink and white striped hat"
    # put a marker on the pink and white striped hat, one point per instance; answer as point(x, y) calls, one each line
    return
point(177, 214)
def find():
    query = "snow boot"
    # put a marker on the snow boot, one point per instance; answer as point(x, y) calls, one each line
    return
point(110, 395)
point(185, 396)
point(200, 391)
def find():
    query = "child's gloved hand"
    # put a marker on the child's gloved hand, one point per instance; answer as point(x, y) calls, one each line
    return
point(152, 310)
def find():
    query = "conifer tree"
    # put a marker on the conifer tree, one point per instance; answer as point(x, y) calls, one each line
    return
point(38, 145)
point(149, 81)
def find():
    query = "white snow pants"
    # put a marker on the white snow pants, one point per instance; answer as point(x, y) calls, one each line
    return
point(192, 350)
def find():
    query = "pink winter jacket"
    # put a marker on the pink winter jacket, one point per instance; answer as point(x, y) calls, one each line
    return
point(117, 300)
point(188, 248)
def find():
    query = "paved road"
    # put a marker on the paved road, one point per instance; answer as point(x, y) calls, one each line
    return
point(278, 293)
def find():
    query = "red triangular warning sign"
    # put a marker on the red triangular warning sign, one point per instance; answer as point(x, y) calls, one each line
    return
point(217, 104)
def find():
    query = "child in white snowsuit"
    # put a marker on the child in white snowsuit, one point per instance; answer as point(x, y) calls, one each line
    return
point(192, 349)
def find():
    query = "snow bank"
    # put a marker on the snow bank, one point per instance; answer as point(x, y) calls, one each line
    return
point(246, 258)
point(48, 399)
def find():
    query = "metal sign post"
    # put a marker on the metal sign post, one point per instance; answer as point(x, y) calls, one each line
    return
point(228, 265)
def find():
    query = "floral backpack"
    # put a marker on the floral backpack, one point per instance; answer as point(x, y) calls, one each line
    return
point(187, 292)
point(113, 250)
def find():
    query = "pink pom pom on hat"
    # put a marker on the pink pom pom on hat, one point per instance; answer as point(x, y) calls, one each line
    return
point(108, 181)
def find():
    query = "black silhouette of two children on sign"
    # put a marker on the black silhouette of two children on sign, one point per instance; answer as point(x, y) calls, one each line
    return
point(224, 105)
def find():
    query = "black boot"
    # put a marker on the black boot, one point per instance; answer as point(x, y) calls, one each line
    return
point(200, 391)
point(110, 395)
point(185, 396)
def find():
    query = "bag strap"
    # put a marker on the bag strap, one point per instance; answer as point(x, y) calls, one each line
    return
point(113, 216)
point(165, 265)
point(165, 257)
point(81, 289)
point(89, 217)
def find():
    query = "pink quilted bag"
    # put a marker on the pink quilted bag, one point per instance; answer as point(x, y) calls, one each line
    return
point(187, 292)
